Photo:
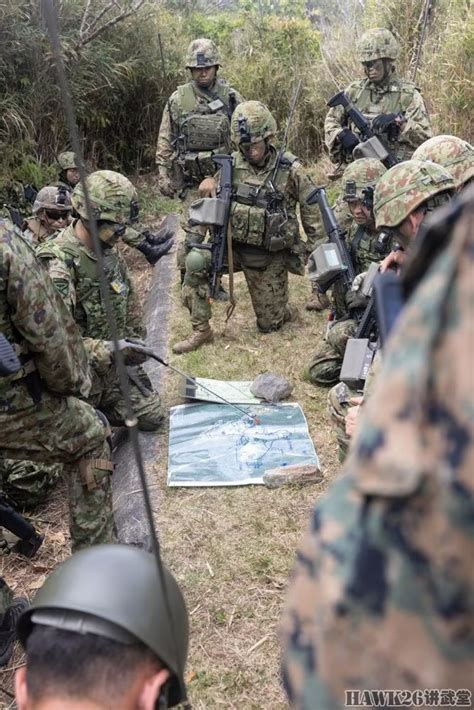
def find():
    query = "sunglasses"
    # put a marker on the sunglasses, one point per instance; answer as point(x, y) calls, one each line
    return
point(369, 65)
point(56, 215)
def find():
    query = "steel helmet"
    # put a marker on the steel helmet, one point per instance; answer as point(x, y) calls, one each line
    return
point(453, 153)
point(115, 591)
point(377, 43)
point(405, 187)
point(251, 122)
point(360, 176)
point(52, 198)
point(67, 160)
point(202, 52)
point(112, 195)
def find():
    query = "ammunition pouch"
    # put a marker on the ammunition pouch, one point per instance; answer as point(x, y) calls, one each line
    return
point(207, 131)
point(254, 221)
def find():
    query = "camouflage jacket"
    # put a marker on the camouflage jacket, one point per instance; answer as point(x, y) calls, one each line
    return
point(364, 247)
point(191, 130)
point(393, 96)
point(35, 231)
point(35, 321)
point(383, 593)
point(73, 269)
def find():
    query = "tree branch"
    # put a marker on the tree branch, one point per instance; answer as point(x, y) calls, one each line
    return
point(93, 31)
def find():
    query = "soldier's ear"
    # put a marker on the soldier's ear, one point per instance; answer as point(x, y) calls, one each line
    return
point(151, 690)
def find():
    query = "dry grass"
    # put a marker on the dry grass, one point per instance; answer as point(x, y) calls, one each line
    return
point(233, 549)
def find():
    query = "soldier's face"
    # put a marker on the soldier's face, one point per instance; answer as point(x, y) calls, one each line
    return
point(375, 70)
point(255, 153)
point(53, 220)
point(360, 213)
point(72, 176)
point(204, 76)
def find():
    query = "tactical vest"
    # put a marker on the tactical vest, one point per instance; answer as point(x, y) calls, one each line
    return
point(203, 126)
point(260, 216)
point(394, 97)
point(368, 248)
point(89, 311)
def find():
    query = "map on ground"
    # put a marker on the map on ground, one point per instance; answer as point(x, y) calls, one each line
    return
point(213, 445)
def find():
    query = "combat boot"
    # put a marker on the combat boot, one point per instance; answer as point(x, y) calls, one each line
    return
point(318, 302)
point(8, 628)
point(194, 341)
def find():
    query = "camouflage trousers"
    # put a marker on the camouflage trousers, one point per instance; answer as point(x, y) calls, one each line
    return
point(337, 406)
point(67, 430)
point(106, 395)
point(6, 597)
point(194, 233)
point(325, 365)
point(27, 484)
point(267, 284)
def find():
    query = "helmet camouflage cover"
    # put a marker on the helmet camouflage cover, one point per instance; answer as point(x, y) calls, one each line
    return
point(405, 187)
point(115, 591)
point(112, 195)
point(453, 153)
point(67, 160)
point(202, 52)
point(377, 43)
point(251, 122)
point(359, 176)
point(52, 198)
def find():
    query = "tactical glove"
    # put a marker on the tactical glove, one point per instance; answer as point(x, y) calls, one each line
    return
point(348, 140)
point(130, 349)
point(356, 300)
point(387, 123)
point(154, 252)
point(165, 185)
point(159, 237)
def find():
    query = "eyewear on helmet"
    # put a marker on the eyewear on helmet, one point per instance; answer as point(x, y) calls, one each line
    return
point(244, 133)
point(56, 215)
point(371, 63)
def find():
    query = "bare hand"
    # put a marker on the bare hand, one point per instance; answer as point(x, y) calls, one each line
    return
point(353, 415)
point(207, 188)
point(394, 260)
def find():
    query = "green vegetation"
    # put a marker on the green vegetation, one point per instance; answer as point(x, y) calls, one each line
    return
point(122, 73)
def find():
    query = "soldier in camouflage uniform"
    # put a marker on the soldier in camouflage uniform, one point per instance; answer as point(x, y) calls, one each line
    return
point(41, 417)
point(73, 268)
point(51, 212)
point(195, 124)
point(393, 106)
point(382, 596)
point(358, 184)
point(152, 246)
point(265, 247)
point(453, 153)
point(404, 197)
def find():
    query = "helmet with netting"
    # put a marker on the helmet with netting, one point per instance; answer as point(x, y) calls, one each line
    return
point(377, 43)
point(115, 591)
point(52, 198)
point(113, 197)
point(359, 177)
point(453, 153)
point(67, 160)
point(202, 52)
point(251, 122)
point(405, 187)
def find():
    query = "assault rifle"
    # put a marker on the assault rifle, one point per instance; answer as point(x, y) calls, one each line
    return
point(371, 146)
point(332, 261)
point(30, 540)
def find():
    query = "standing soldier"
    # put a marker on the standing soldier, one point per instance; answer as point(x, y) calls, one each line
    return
point(264, 248)
point(73, 267)
point(195, 124)
point(393, 105)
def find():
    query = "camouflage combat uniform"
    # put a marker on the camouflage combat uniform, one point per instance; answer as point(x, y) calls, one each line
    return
point(382, 593)
point(195, 124)
point(73, 269)
point(40, 415)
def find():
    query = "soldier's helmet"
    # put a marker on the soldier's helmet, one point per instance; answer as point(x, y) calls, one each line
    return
point(360, 177)
point(202, 52)
point(115, 591)
point(377, 43)
point(67, 160)
point(453, 153)
point(251, 122)
point(405, 187)
point(52, 198)
point(112, 195)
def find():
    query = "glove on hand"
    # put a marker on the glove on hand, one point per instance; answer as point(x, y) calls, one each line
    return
point(356, 300)
point(358, 281)
point(159, 237)
point(348, 139)
point(152, 252)
point(130, 349)
point(385, 122)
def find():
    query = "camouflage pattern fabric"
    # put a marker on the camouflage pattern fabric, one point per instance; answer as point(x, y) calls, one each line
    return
point(383, 577)
point(325, 365)
point(453, 153)
point(34, 230)
point(266, 273)
point(394, 95)
point(73, 269)
point(40, 417)
point(28, 484)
